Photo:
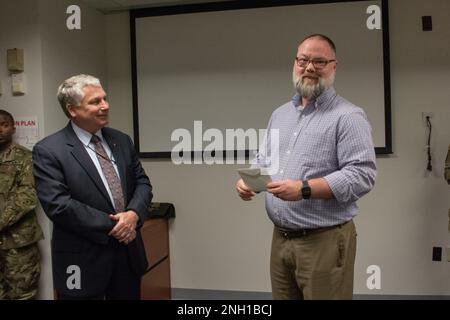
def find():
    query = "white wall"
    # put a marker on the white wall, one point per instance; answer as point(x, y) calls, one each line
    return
point(406, 214)
point(21, 15)
point(219, 242)
point(51, 53)
point(68, 52)
point(118, 62)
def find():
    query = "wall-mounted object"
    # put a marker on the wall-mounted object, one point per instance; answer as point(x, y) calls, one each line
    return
point(427, 24)
point(18, 84)
point(15, 60)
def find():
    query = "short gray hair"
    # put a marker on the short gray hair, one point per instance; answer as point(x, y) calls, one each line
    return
point(70, 92)
point(321, 37)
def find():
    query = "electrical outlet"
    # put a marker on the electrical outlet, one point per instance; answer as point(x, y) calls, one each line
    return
point(424, 117)
point(437, 254)
point(447, 253)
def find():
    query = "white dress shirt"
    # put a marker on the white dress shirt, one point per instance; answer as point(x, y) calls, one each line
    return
point(85, 138)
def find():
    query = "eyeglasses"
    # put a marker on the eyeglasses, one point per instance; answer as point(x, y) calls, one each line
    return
point(317, 63)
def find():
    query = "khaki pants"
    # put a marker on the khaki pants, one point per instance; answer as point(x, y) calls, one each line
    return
point(316, 266)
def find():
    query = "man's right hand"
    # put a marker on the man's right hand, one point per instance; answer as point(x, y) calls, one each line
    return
point(125, 228)
point(244, 191)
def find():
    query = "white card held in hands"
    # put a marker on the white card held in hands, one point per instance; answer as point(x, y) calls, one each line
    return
point(254, 179)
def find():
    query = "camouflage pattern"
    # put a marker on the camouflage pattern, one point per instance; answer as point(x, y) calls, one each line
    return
point(19, 272)
point(19, 228)
point(18, 221)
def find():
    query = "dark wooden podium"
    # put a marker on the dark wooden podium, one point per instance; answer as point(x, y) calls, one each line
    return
point(155, 283)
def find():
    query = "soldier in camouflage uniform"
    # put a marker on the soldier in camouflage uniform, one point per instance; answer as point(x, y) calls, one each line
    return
point(447, 177)
point(19, 229)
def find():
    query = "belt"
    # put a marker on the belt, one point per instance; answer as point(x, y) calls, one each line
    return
point(291, 234)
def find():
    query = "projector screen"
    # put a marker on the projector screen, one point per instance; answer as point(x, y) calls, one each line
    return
point(228, 65)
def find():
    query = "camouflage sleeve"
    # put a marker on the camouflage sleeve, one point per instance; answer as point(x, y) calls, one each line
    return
point(447, 166)
point(22, 198)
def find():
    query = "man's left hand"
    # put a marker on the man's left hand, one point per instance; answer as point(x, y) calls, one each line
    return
point(285, 189)
point(125, 228)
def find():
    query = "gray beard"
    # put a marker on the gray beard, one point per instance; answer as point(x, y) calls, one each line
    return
point(311, 92)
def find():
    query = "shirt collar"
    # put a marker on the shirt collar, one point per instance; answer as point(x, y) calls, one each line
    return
point(326, 96)
point(83, 135)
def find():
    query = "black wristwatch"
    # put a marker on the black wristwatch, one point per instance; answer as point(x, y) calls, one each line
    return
point(306, 190)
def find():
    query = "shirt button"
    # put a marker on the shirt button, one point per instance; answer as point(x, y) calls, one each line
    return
point(295, 133)
point(281, 171)
point(288, 152)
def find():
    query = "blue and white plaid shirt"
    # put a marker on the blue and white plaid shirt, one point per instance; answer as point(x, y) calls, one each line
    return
point(329, 138)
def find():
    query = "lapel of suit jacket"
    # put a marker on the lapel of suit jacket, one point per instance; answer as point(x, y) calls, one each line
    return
point(118, 157)
point(79, 152)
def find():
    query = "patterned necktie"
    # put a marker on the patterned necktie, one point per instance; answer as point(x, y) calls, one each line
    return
point(110, 174)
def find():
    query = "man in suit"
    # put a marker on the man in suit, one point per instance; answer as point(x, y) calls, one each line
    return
point(92, 186)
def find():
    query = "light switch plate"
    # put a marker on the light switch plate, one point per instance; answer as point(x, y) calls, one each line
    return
point(18, 84)
point(14, 58)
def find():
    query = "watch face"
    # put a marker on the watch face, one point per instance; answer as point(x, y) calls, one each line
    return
point(306, 193)
point(306, 190)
